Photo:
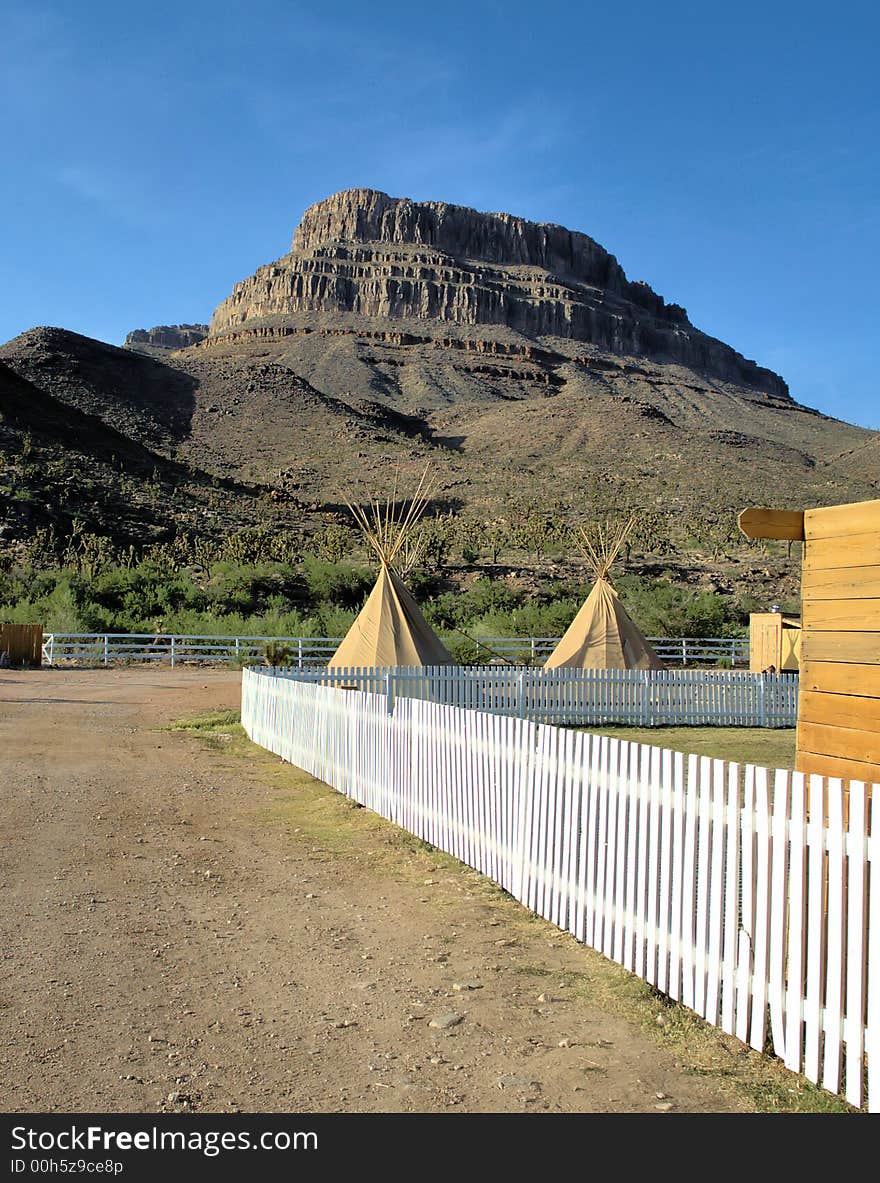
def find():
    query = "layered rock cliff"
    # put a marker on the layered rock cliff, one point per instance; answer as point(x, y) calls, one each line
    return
point(368, 261)
point(164, 338)
point(516, 359)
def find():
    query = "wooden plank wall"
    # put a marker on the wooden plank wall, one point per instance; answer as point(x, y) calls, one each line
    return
point(839, 707)
point(23, 643)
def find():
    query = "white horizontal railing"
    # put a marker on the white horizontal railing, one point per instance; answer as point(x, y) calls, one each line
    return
point(750, 896)
point(110, 648)
point(642, 698)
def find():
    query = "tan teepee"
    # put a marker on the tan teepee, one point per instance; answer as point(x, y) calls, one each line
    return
point(602, 636)
point(390, 630)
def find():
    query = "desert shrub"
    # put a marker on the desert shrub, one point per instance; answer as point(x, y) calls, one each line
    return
point(530, 620)
point(333, 622)
point(53, 605)
point(443, 611)
point(486, 596)
point(333, 543)
point(234, 588)
point(260, 544)
point(173, 588)
point(661, 609)
point(466, 652)
point(274, 653)
point(334, 583)
point(424, 585)
point(483, 598)
point(134, 599)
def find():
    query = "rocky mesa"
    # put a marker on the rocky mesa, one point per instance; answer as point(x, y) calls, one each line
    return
point(516, 358)
point(365, 254)
point(162, 339)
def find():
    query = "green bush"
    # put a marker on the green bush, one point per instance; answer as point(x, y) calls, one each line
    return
point(466, 652)
point(173, 590)
point(333, 622)
point(335, 583)
point(482, 599)
point(661, 609)
point(275, 653)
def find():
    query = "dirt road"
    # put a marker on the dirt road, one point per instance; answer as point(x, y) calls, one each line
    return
point(205, 929)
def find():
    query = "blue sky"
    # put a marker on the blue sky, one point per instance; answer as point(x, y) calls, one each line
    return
point(153, 155)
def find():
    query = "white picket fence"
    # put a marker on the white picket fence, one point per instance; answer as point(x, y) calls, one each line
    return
point(646, 698)
point(746, 894)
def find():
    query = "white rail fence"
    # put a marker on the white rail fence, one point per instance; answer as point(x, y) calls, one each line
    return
point(646, 698)
point(178, 649)
point(110, 648)
point(750, 896)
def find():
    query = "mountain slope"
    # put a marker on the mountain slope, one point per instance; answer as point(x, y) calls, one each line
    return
point(517, 359)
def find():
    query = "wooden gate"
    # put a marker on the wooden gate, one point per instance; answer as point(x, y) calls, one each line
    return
point(23, 643)
point(774, 642)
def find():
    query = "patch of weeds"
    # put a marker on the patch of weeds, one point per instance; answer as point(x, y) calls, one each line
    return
point(206, 721)
point(776, 1096)
point(761, 1080)
point(421, 845)
point(538, 971)
point(311, 812)
point(218, 730)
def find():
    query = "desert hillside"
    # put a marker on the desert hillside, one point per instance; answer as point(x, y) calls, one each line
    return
point(515, 358)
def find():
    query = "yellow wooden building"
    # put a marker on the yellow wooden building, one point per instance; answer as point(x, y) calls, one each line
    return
point(839, 699)
point(774, 642)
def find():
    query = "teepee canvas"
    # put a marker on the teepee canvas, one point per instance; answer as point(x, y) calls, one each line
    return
point(602, 636)
point(390, 630)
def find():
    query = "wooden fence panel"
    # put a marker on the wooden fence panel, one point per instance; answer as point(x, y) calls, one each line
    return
point(857, 867)
point(815, 929)
point(835, 934)
point(22, 643)
point(797, 929)
point(732, 896)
